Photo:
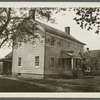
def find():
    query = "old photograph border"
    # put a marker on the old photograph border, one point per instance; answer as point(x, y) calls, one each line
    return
point(51, 94)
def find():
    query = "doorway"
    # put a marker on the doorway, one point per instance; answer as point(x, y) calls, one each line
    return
point(66, 63)
point(7, 68)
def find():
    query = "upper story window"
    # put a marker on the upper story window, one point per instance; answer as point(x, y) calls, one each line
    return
point(68, 45)
point(75, 47)
point(52, 40)
point(59, 43)
point(19, 44)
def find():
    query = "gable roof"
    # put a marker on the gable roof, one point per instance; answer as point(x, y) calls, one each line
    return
point(59, 33)
point(92, 54)
point(51, 30)
point(9, 55)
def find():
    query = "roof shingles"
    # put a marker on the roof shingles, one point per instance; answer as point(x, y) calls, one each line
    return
point(59, 32)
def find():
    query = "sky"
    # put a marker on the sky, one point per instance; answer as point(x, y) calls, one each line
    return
point(91, 39)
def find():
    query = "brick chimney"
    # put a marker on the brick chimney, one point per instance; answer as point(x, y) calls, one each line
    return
point(87, 49)
point(67, 30)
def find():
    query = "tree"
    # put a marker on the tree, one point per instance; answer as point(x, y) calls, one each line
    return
point(11, 19)
point(88, 18)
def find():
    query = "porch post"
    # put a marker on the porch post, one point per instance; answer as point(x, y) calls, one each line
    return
point(72, 65)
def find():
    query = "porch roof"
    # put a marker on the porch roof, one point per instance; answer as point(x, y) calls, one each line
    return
point(70, 54)
point(6, 59)
point(9, 55)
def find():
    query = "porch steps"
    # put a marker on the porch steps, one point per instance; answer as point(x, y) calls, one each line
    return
point(80, 74)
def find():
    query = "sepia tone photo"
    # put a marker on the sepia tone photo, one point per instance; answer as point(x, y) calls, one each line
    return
point(50, 49)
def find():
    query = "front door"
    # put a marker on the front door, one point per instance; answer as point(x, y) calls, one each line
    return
point(66, 66)
point(7, 69)
point(66, 63)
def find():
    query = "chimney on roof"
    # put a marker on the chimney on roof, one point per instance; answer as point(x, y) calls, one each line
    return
point(32, 13)
point(67, 30)
point(87, 49)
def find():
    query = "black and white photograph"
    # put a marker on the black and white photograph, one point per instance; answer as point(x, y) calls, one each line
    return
point(50, 49)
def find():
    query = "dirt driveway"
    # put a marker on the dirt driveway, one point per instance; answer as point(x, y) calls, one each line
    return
point(50, 85)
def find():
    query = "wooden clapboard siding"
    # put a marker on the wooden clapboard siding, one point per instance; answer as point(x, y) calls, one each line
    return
point(52, 52)
point(55, 52)
point(28, 52)
point(45, 52)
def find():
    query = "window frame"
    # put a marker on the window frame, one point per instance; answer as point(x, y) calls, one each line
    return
point(19, 61)
point(20, 44)
point(59, 62)
point(37, 61)
point(53, 40)
point(53, 62)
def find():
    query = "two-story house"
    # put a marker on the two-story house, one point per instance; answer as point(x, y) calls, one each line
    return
point(52, 52)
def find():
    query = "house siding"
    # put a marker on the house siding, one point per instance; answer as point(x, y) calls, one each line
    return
point(55, 52)
point(27, 54)
point(51, 47)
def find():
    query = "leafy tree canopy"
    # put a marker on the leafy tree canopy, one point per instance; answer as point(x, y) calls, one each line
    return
point(88, 18)
point(12, 18)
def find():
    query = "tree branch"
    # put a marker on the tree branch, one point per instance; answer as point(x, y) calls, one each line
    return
point(17, 18)
point(3, 41)
point(7, 22)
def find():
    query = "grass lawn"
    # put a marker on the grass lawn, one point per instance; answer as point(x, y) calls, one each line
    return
point(8, 85)
point(51, 85)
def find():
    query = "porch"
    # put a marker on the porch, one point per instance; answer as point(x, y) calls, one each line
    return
point(70, 63)
point(6, 65)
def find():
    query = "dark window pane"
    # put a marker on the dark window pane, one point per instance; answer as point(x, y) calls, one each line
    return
point(19, 61)
point(59, 62)
point(37, 61)
point(52, 62)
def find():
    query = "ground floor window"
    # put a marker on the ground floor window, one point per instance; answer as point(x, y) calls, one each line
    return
point(59, 62)
point(52, 62)
point(36, 60)
point(19, 61)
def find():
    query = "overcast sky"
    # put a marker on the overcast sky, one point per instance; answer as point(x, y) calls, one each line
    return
point(91, 39)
